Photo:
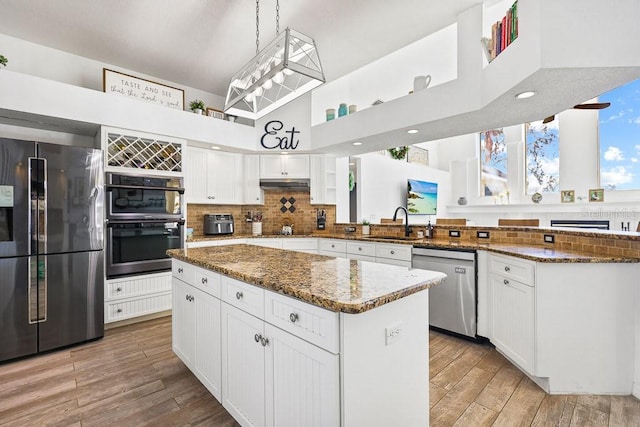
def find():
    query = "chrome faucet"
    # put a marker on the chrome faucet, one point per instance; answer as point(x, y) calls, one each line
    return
point(407, 229)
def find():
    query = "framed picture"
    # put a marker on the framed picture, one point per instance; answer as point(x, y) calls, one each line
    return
point(596, 195)
point(144, 90)
point(217, 114)
point(567, 196)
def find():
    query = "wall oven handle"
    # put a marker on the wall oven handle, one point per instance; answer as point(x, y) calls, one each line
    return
point(110, 187)
point(111, 223)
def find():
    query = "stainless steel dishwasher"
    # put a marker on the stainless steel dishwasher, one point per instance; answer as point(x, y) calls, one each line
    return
point(452, 304)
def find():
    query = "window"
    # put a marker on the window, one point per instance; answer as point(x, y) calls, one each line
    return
point(619, 134)
point(493, 163)
point(543, 158)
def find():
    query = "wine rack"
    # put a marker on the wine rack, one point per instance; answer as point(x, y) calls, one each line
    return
point(143, 153)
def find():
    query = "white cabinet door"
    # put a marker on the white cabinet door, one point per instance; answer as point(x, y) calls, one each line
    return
point(271, 167)
point(195, 179)
point(322, 171)
point(243, 366)
point(302, 382)
point(225, 178)
point(513, 320)
point(184, 322)
point(253, 194)
point(207, 346)
point(296, 165)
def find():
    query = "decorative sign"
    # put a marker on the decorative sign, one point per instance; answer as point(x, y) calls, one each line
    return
point(144, 90)
point(273, 138)
point(6, 196)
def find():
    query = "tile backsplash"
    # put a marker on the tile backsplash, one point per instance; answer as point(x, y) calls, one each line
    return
point(276, 212)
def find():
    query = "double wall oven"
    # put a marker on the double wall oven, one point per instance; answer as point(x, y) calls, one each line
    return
point(145, 218)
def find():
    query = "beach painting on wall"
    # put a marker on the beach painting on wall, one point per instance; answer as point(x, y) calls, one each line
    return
point(422, 197)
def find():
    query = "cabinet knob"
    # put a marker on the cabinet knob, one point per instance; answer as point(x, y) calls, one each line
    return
point(257, 337)
point(257, 198)
point(393, 252)
point(118, 289)
point(180, 270)
point(186, 297)
point(204, 280)
point(293, 317)
point(507, 269)
point(333, 246)
point(264, 341)
point(506, 282)
point(239, 295)
point(119, 310)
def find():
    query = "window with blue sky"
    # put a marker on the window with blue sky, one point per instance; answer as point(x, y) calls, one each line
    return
point(619, 127)
point(543, 157)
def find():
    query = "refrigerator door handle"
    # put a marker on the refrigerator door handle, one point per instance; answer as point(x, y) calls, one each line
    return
point(37, 299)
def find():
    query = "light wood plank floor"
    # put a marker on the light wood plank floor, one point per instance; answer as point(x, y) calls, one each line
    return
point(131, 378)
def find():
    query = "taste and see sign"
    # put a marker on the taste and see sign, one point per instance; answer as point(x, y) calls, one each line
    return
point(144, 90)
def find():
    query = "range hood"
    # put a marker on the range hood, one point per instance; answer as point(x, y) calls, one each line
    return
point(300, 184)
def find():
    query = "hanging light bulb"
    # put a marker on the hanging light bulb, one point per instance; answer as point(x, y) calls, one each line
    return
point(278, 77)
point(248, 97)
point(268, 84)
point(258, 91)
point(287, 71)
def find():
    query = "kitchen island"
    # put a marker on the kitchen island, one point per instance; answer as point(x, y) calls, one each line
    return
point(289, 338)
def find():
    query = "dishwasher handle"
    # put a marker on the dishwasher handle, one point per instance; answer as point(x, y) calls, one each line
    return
point(445, 254)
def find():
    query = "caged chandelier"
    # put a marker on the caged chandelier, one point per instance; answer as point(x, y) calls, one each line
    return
point(287, 68)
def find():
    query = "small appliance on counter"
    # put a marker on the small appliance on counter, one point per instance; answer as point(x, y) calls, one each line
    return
point(321, 219)
point(218, 224)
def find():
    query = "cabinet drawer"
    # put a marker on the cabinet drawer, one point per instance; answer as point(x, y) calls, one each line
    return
point(332, 245)
point(137, 286)
point(246, 297)
point(360, 248)
point(520, 270)
point(313, 324)
point(207, 281)
point(300, 244)
point(182, 271)
point(397, 252)
point(125, 309)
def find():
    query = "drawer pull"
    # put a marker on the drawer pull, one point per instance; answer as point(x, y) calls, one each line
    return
point(204, 280)
point(257, 337)
point(119, 310)
point(239, 295)
point(333, 246)
point(359, 248)
point(393, 252)
point(293, 317)
point(264, 341)
point(180, 270)
point(506, 282)
point(118, 289)
point(507, 269)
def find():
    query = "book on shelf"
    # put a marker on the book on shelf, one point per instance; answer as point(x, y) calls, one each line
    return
point(503, 33)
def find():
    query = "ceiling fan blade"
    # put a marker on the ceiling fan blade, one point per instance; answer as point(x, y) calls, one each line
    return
point(548, 119)
point(592, 106)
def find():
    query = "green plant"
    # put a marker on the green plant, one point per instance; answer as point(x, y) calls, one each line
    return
point(365, 222)
point(3, 60)
point(196, 105)
point(398, 153)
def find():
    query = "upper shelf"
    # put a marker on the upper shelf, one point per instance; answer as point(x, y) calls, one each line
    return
point(564, 59)
point(46, 104)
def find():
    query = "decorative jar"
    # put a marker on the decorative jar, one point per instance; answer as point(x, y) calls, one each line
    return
point(342, 111)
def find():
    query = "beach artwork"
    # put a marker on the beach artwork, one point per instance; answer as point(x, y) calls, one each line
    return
point(422, 197)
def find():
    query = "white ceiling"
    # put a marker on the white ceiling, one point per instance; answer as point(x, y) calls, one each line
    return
point(201, 43)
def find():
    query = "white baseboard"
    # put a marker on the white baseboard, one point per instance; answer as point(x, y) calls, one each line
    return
point(636, 389)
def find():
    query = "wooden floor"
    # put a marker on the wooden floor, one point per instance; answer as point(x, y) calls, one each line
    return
point(131, 378)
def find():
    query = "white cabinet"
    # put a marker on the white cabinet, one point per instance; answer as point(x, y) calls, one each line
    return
point(130, 297)
point(322, 179)
point(213, 177)
point(393, 254)
point(301, 244)
point(332, 247)
point(284, 166)
point(271, 377)
point(361, 250)
point(196, 324)
point(253, 194)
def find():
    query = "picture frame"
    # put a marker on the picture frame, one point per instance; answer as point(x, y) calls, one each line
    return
point(567, 196)
point(596, 195)
point(216, 114)
point(129, 86)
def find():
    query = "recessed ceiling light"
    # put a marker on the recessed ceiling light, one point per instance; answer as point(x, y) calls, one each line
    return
point(524, 95)
point(412, 131)
point(215, 147)
point(357, 143)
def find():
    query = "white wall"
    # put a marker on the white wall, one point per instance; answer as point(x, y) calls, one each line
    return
point(41, 61)
point(391, 76)
point(382, 186)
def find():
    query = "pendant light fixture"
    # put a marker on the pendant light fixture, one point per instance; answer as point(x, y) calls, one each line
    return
point(287, 68)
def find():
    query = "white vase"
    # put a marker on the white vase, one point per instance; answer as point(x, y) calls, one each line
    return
point(198, 111)
point(256, 228)
point(366, 229)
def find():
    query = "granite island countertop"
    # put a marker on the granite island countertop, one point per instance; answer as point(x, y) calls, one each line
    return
point(336, 284)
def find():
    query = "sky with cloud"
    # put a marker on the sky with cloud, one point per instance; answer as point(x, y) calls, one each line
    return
point(620, 138)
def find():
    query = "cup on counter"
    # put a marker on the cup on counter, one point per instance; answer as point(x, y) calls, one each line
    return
point(420, 234)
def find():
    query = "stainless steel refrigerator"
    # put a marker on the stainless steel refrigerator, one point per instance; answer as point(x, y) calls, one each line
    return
point(51, 246)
